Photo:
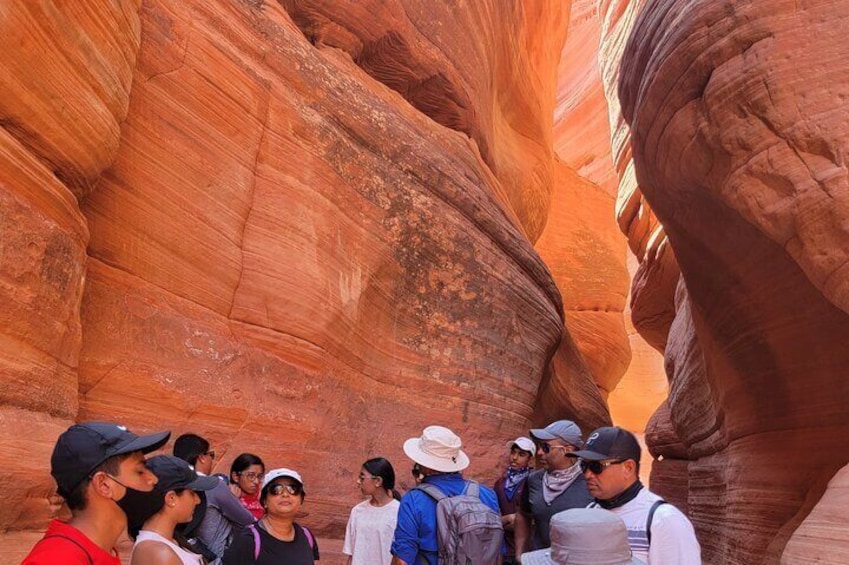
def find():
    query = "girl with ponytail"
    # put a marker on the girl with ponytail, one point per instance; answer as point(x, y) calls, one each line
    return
point(371, 526)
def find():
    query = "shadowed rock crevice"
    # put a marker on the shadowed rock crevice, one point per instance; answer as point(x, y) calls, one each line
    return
point(392, 61)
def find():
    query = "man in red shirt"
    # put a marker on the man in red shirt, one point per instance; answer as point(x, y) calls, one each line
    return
point(97, 466)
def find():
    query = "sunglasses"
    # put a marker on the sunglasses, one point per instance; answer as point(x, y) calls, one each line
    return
point(253, 477)
point(416, 471)
point(210, 453)
point(597, 467)
point(278, 488)
point(547, 447)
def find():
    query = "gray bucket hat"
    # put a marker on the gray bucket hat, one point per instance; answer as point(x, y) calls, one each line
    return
point(585, 536)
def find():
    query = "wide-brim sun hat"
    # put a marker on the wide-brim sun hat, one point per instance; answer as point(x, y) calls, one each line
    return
point(585, 536)
point(538, 557)
point(543, 557)
point(438, 448)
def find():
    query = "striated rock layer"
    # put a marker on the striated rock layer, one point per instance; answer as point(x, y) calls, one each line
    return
point(301, 230)
point(739, 134)
point(309, 250)
point(64, 88)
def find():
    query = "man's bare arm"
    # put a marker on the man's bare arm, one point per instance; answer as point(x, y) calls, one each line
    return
point(522, 532)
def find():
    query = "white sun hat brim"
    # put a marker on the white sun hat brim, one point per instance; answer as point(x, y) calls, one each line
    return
point(443, 463)
point(539, 557)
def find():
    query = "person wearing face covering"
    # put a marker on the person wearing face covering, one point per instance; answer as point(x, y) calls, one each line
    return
point(558, 486)
point(175, 498)
point(98, 467)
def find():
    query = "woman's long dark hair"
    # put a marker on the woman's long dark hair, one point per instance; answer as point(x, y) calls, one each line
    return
point(244, 461)
point(380, 467)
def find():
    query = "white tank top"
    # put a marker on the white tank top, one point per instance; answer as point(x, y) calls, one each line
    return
point(186, 557)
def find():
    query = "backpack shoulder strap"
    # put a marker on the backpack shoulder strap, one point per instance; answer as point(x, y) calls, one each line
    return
point(473, 489)
point(651, 517)
point(432, 491)
point(73, 541)
point(257, 540)
point(310, 539)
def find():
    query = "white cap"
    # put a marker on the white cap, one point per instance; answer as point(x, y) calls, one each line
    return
point(524, 443)
point(281, 472)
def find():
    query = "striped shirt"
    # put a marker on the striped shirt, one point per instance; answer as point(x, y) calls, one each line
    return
point(673, 539)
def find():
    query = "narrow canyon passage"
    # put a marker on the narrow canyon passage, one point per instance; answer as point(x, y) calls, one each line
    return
point(308, 229)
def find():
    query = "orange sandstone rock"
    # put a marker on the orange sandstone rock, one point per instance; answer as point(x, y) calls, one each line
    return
point(291, 256)
point(737, 137)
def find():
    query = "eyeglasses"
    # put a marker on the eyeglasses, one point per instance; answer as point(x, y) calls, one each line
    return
point(210, 453)
point(278, 488)
point(547, 447)
point(597, 467)
point(252, 477)
point(366, 477)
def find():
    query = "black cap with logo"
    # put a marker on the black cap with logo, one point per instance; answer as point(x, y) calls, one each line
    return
point(82, 447)
point(610, 443)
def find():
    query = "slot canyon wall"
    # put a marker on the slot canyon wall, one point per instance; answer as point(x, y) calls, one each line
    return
point(308, 228)
point(302, 229)
point(738, 125)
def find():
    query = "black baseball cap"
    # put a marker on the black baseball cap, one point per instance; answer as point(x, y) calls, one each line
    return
point(610, 442)
point(175, 473)
point(82, 447)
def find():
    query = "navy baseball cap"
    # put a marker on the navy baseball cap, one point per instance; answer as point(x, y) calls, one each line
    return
point(174, 473)
point(611, 442)
point(82, 447)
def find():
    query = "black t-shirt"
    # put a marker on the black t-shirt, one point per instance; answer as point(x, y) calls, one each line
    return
point(272, 550)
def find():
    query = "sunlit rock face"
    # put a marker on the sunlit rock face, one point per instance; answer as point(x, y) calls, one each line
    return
point(300, 231)
point(585, 253)
point(293, 257)
point(64, 87)
point(738, 136)
point(581, 243)
point(823, 536)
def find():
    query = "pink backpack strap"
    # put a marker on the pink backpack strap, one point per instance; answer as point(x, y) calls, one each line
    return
point(310, 539)
point(257, 542)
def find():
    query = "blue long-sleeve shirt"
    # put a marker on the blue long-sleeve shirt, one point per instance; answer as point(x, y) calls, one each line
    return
point(416, 532)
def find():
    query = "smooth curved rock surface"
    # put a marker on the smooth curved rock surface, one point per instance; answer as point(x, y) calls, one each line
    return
point(738, 137)
point(302, 231)
point(64, 85)
point(581, 129)
point(586, 254)
point(447, 68)
point(823, 537)
point(309, 250)
point(65, 77)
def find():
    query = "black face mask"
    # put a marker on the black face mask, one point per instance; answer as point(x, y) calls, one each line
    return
point(138, 506)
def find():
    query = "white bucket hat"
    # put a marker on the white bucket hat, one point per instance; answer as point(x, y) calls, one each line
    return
point(585, 536)
point(437, 449)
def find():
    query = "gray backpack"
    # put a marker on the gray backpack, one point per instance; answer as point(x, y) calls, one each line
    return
point(470, 532)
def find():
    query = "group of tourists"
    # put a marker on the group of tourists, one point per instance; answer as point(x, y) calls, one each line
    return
point(582, 504)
